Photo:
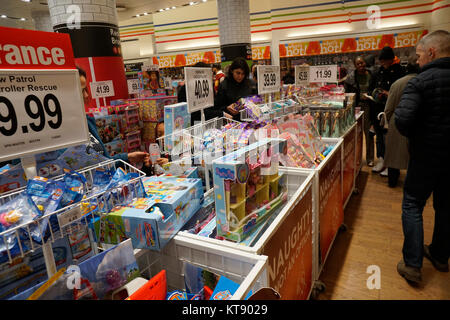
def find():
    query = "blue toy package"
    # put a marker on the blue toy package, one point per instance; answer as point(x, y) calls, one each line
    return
point(51, 168)
point(81, 156)
point(12, 178)
point(46, 194)
point(75, 188)
point(101, 178)
point(225, 289)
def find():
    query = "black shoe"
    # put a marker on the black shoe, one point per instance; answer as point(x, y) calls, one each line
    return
point(442, 267)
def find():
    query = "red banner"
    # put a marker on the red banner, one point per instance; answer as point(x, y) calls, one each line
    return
point(331, 213)
point(289, 253)
point(29, 49)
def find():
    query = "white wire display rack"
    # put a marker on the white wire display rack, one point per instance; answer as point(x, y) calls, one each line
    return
point(69, 218)
point(270, 111)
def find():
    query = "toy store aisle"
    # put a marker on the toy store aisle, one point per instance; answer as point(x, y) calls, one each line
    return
point(374, 237)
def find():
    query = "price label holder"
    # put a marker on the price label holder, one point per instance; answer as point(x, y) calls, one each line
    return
point(38, 112)
point(323, 73)
point(69, 216)
point(133, 86)
point(268, 79)
point(154, 152)
point(199, 88)
point(301, 76)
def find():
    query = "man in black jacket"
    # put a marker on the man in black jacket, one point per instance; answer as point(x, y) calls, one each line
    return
point(423, 116)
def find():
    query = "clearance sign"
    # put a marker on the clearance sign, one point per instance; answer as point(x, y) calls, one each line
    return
point(40, 94)
point(359, 44)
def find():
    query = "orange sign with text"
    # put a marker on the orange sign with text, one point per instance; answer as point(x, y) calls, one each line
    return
point(334, 46)
point(289, 253)
point(348, 176)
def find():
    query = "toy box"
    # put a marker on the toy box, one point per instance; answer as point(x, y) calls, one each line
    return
point(133, 141)
point(248, 188)
point(108, 127)
point(176, 118)
point(152, 108)
point(149, 132)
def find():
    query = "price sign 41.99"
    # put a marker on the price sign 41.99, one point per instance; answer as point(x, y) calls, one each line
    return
point(39, 111)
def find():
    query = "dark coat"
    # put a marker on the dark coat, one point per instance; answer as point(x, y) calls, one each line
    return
point(351, 85)
point(423, 115)
point(229, 92)
point(383, 79)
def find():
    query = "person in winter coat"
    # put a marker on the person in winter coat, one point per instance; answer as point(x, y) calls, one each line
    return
point(358, 82)
point(380, 84)
point(235, 86)
point(396, 155)
point(423, 116)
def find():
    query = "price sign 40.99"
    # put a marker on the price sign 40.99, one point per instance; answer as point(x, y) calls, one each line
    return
point(39, 111)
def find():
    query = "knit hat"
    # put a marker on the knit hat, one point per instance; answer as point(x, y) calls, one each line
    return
point(386, 54)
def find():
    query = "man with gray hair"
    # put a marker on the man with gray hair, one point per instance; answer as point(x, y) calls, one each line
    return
point(423, 116)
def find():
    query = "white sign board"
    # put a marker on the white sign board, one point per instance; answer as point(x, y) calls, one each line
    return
point(133, 86)
point(102, 89)
point(268, 79)
point(40, 111)
point(199, 88)
point(323, 73)
point(301, 76)
point(149, 66)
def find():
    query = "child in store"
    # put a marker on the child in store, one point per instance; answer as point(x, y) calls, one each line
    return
point(149, 167)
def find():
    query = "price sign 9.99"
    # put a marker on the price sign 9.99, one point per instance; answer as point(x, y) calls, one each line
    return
point(268, 79)
point(199, 88)
point(39, 111)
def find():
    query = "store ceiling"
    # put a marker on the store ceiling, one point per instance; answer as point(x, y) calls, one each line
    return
point(126, 9)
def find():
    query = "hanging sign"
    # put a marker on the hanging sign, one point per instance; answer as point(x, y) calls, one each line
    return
point(301, 76)
point(268, 79)
point(133, 86)
point(40, 94)
point(323, 73)
point(199, 88)
point(168, 83)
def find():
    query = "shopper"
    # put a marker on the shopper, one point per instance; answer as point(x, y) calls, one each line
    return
point(379, 86)
point(288, 78)
point(235, 86)
point(396, 154)
point(423, 116)
point(219, 76)
point(95, 142)
point(358, 82)
point(254, 78)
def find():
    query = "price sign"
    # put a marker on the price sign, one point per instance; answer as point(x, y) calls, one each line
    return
point(39, 111)
point(168, 83)
point(323, 73)
point(69, 216)
point(199, 88)
point(133, 86)
point(102, 89)
point(148, 66)
point(268, 79)
point(301, 76)
point(154, 152)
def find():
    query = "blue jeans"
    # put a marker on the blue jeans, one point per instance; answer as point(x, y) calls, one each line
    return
point(421, 181)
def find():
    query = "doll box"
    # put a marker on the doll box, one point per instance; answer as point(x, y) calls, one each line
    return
point(176, 118)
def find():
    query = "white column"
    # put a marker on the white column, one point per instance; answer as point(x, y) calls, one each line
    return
point(42, 21)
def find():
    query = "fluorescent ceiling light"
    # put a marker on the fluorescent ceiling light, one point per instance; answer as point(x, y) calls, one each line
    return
point(319, 32)
point(199, 44)
point(22, 19)
point(173, 7)
point(3, 16)
point(384, 25)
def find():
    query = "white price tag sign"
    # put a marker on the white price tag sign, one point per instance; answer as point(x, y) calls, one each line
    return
point(199, 88)
point(149, 66)
point(154, 152)
point(301, 76)
point(133, 86)
point(102, 89)
point(268, 79)
point(168, 83)
point(323, 73)
point(39, 111)
point(69, 216)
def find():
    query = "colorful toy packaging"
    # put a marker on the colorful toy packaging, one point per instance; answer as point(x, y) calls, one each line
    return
point(248, 188)
point(176, 118)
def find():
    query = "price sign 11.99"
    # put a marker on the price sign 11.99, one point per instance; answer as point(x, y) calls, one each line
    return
point(199, 88)
point(323, 73)
point(39, 111)
point(268, 79)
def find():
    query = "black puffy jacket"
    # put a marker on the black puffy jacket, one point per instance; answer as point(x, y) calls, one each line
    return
point(423, 114)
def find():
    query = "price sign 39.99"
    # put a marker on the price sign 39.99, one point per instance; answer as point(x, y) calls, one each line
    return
point(268, 79)
point(40, 111)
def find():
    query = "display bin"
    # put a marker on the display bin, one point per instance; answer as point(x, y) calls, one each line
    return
point(247, 269)
point(269, 112)
point(68, 218)
point(286, 239)
point(328, 209)
point(359, 140)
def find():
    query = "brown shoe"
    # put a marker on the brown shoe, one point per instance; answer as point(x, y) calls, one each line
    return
point(409, 273)
point(442, 267)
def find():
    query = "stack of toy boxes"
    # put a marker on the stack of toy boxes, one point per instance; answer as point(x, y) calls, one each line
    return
point(176, 118)
point(151, 222)
point(248, 188)
point(151, 111)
